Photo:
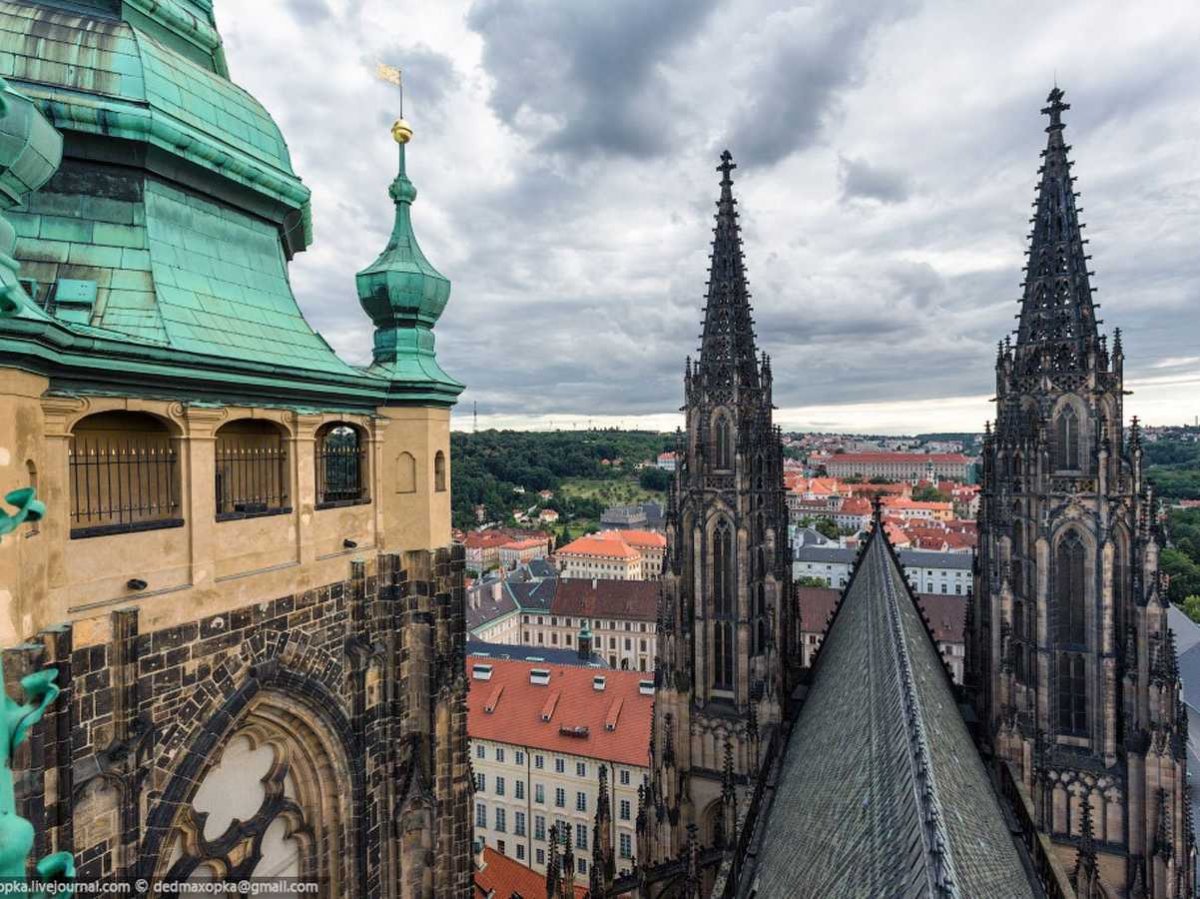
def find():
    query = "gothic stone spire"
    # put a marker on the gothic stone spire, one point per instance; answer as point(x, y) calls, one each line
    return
point(727, 350)
point(1058, 320)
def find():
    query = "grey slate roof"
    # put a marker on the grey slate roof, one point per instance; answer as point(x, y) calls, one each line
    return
point(920, 558)
point(882, 792)
point(533, 654)
point(824, 554)
point(810, 537)
point(1187, 645)
point(534, 596)
point(482, 609)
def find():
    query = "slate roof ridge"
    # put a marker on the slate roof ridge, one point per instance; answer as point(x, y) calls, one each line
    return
point(940, 861)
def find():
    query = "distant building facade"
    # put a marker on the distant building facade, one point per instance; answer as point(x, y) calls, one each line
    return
point(613, 555)
point(928, 572)
point(896, 466)
point(548, 743)
point(945, 616)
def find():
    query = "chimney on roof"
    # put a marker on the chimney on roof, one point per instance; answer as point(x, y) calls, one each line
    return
point(593, 583)
point(480, 864)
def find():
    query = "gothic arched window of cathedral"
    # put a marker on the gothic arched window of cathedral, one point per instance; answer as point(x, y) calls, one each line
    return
point(1070, 593)
point(724, 447)
point(1067, 438)
point(724, 594)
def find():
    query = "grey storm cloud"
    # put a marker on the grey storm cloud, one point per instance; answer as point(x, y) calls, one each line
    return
point(810, 54)
point(308, 12)
point(593, 70)
point(861, 180)
point(887, 153)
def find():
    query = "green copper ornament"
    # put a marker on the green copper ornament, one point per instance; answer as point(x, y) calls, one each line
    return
point(16, 834)
point(27, 509)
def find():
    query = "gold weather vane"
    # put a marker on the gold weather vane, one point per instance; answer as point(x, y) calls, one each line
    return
point(401, 130)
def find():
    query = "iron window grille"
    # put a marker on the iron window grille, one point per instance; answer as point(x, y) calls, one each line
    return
point(251, 476)
point(121, 485)
point(341, 468)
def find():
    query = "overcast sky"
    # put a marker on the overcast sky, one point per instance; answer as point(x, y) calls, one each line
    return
point(887, 152)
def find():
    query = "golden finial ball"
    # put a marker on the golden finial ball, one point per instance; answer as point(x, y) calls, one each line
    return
point(401, 131)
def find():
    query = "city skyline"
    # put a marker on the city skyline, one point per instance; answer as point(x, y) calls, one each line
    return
point(883, 247)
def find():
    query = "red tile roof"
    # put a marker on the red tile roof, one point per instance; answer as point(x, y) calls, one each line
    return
point(856, 505)
point(502, 877)
point(556, 716)
point(599, 547)
point(946, 612)
point(485, 539)
point(600, 598)
point(816, 605)
point(638, 539)
point(527, 543)
point(947, 615)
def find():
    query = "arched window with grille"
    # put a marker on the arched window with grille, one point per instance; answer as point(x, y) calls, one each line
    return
point(123, 475)
point(1066, 429)
point(251, 470)
point(724, 606)
point(341, 458)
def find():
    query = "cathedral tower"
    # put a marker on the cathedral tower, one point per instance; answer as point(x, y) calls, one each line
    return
point(244, 575)
point(1073, 664)
point(726, 617)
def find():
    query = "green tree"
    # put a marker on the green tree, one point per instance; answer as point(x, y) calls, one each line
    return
point(826, 527)
point(929, 494)
point(809, 580)
point(1183, 572)
point(1191, 607)
point(654, 479)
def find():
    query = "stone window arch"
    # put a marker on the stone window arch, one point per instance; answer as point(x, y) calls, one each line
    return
point(1067, 438)
point(1070, 633)
point(123, 474)
point(406, 473)
point(439, 472)
point(722, 441)
point(341, 460)
point(724, 604)
point(272, 802)
point(32, 527)
point(1070, 591)
point(250, 474)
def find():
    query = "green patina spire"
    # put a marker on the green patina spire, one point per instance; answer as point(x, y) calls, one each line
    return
point(404, 295)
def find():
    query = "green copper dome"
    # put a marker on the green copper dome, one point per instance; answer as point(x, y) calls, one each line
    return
point(153, 72)
point(404, 295)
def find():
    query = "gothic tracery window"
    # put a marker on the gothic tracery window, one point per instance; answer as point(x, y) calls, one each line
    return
point(1072, 693)
point(270, 802)
point(1067, 438)
point(724, 448)
point(1071, 634)
point(244, 819)
point(1070, 591)
point(724, 605)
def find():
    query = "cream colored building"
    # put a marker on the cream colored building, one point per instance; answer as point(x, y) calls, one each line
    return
point(614, 555)
point(620, 615)
point(539, 737)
